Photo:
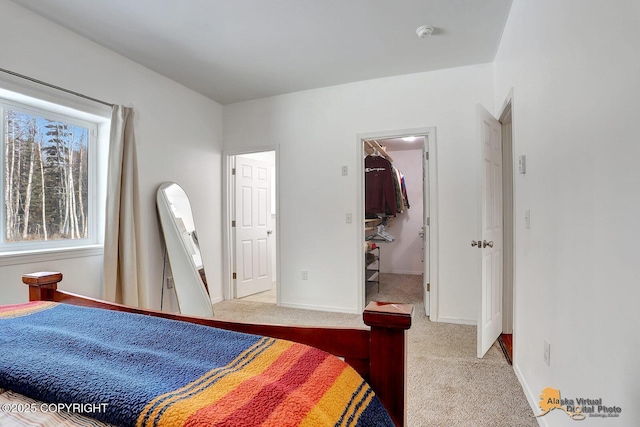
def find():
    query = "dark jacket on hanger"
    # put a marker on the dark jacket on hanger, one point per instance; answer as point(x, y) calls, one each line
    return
point(379, 190)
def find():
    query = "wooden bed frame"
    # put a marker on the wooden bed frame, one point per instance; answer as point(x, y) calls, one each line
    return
point(379, 355)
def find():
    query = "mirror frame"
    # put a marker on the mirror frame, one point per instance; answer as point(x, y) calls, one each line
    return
point(193, 298)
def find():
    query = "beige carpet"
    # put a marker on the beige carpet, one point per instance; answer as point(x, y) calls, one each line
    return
point(447, 384)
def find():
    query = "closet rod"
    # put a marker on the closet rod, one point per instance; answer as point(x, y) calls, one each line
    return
point(369, 148)
point(40, 82)
point(378, 147)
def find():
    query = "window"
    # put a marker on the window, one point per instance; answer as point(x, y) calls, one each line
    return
point(49, 179)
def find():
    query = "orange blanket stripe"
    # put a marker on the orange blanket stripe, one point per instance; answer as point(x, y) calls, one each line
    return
point(247, 391)
point(271, 395)
point(17, 310)
point(261, 387)
point(328, 410)
point(175, 408)
point(308, 395)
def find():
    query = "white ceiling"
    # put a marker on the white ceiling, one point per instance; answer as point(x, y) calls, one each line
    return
point(235, 50)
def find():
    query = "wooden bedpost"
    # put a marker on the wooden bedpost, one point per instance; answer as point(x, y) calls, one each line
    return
point(389, 323)
point(42, 285)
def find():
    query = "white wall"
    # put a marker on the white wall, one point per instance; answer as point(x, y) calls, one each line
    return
point(574, 66)
point(316, 132)
point(178, 133)
point(81, 276)
point(404, 255)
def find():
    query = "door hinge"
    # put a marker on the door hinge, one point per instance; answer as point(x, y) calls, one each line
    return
point(426, 155)
point(234, 276)
point(233, 171)
point(428, 287)
point(233, 223)
point(428, 221)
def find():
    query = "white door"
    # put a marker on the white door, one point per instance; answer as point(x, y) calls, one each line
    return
point(252, 231)
point(489, 246)
point(426, 228)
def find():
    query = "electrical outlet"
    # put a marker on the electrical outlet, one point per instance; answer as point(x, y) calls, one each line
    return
point(305, 275)
point(547, 353)
point(169, 282)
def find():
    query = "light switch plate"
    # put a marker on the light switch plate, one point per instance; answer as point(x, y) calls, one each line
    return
point(547, 353)
point(522, 164)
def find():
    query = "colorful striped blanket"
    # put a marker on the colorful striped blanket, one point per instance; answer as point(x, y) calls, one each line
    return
point(135, 370)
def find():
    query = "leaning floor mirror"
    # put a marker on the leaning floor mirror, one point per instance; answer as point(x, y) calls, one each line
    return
point(183, 250)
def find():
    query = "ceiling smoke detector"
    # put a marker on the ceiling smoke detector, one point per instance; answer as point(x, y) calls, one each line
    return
point(424, 31)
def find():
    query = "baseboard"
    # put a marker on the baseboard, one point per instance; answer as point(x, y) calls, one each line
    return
point(532, 398)
point(319, 308)
point(457, 321)
point(217, 300)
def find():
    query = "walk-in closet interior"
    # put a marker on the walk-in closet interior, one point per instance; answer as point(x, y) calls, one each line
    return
point(394, 217)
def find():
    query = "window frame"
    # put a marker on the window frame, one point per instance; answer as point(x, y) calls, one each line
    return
point(55, 247)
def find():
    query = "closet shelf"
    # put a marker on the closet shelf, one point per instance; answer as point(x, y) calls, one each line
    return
point(372, 263)
point(372, 224)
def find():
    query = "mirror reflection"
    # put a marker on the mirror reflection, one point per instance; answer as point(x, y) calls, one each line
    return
point(183, 249)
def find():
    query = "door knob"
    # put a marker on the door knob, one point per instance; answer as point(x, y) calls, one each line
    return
point(474, 243)
point(485, 244)
point(269, 232)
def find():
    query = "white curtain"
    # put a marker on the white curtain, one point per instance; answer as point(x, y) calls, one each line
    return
point(123, 280)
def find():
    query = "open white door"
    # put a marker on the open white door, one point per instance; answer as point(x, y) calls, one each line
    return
point(490, 245)
point(253, 218)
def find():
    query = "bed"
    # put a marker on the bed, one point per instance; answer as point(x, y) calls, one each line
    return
point(168, 369)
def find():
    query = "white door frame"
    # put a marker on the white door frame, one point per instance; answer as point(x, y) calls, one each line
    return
point(430, 146)
point(228, 198)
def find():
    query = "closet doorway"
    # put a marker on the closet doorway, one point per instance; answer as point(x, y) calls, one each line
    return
point(405, 243)
point(251, 226)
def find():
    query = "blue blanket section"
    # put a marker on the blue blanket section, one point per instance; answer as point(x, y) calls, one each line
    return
point(124, 365)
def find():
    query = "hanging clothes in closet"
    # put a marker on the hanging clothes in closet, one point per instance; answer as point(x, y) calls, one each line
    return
point(402, 202)
point(379, 187)
point(403, 188)
point(385, 188)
